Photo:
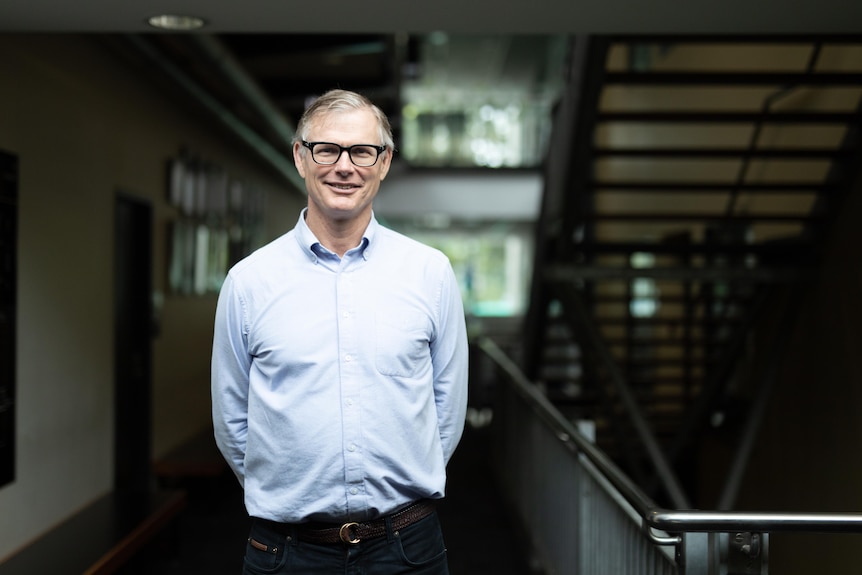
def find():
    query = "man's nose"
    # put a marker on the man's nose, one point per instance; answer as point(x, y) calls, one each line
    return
point(344, 160)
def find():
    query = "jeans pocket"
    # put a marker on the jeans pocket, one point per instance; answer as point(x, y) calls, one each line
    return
point(265, 551)
point(421, 544)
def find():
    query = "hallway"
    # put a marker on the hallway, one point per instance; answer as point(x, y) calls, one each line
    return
point(209, 537)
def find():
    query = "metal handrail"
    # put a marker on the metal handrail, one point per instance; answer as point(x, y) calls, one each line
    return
point(654, 516)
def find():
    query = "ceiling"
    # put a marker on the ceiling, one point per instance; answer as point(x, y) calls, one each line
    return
point(389, 16)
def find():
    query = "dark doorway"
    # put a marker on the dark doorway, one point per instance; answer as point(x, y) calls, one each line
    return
point(133, 343)
point(8, 312)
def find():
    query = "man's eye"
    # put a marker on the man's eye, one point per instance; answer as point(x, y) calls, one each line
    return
point(363, 152)
point(327, 150)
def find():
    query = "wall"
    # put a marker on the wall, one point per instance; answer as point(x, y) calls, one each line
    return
point(496, 196)
point(807, 456)
point(84, 125)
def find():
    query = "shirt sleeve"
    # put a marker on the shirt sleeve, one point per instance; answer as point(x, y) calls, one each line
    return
point(231, 364)
point(449, 359)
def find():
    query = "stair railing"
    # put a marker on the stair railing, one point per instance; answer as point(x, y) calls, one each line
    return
point(586, 516)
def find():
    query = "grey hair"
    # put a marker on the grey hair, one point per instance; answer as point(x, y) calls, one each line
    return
point(343, 101)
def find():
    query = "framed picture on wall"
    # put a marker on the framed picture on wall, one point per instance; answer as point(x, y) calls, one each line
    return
point(219, 220)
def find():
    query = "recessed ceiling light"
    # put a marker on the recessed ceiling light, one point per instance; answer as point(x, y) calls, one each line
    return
point(176, 22)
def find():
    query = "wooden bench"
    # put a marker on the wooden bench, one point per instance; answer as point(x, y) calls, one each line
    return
point(100, 538)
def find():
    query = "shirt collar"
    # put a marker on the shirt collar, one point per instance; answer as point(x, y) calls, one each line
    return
point(312, 246)
point(368, 237)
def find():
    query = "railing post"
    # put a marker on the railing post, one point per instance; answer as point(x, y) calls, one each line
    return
point(695, 554)
point(723, 554)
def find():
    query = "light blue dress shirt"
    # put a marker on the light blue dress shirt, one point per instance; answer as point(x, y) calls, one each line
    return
point(339, 385)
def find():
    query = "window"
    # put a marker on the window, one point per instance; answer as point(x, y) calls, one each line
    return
point(491, 261)
point(645, 297)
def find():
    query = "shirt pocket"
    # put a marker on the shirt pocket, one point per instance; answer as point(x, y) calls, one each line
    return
point(402, 344)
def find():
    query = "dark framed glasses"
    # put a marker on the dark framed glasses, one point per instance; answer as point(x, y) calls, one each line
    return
point(327, 153)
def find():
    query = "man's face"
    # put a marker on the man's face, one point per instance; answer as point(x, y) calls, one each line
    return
point(342, 191)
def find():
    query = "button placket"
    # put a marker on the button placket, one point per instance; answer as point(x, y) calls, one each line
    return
point(350, 378)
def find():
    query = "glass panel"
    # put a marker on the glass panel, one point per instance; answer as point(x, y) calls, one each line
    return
point(492, 262)
point(481, 100)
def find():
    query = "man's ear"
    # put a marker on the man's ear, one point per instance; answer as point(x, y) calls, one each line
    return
point(298, 160)
point(387, 163)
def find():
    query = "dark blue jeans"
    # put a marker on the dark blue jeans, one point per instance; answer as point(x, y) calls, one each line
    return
point(415, 550)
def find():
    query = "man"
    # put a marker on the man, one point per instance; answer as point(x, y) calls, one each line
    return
point(339, 369)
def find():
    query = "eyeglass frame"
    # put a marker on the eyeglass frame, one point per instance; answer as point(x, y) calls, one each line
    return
point(341, 150)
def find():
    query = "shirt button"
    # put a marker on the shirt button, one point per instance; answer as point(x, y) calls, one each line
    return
point(348, 357)
point(345, 314)
point(349, 402)
point(353, 491)
point(351, 447)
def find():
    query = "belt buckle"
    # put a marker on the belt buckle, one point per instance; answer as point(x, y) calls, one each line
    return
point(349, 533)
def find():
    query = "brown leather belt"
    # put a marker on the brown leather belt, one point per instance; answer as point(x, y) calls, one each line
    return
point(352, 532)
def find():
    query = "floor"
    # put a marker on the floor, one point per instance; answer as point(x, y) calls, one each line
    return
point(209, 537)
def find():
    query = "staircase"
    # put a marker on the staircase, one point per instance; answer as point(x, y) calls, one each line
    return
point(690, 186)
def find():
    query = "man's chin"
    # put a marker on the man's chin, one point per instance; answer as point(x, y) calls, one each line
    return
point(343, 211)
point(346, 207)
